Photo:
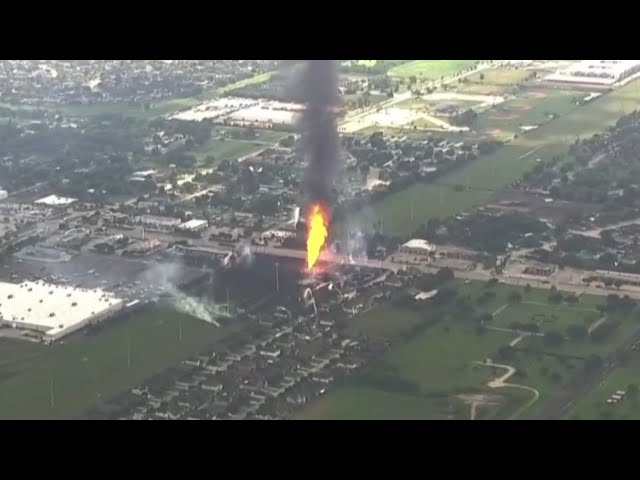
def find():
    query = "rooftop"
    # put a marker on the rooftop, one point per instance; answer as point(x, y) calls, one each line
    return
point(419, 243)
point(52, 308)
point(55, 200)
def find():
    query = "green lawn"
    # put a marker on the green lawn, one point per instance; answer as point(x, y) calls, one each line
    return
point(495, 81)
point(595, 406)
point(498, 170)
point(424, 377)
point(430, 69)
point(532, 109)
point(384, 321)
point(547, 316)
point(87, 369)
point(226, 149)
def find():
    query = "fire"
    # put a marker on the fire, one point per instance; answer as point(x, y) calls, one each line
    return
point(317, 234)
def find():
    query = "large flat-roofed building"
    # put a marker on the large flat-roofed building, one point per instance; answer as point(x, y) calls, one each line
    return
point(194, 225)
point(418, 247)
point(56, 201)
point(54, 310)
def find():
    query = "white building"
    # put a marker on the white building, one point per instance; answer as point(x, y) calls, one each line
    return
point(194, 225)
point(56, 201)
point(3, 194)
point(418, 247)
point(54, 310)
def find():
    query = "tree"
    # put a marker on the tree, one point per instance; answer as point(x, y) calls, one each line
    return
point(608, 282)
point(506, 352)
point(553, 339)
point(571, 299)
point(482, 77)
point(514, 296)
point(527, 288)
point(593, 362)
point(575, 331)
point(632, 391)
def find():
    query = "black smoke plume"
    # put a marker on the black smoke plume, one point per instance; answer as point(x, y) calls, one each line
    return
point(318, 89)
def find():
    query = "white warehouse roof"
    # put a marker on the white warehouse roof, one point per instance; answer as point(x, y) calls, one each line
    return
point(30, 305)
point(194, 224)
point(55, 200)
point(420, 244)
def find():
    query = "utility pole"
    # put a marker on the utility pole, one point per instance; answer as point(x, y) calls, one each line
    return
point(277, 277)
point(228, 304)
point(128, 350)
point(180, 328)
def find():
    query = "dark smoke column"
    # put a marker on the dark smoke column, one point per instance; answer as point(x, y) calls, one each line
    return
point(318, 127)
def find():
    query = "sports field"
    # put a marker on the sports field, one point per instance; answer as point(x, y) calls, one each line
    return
point(436, 374)
point(79, 373)
point(493, 172)
point(430, 69)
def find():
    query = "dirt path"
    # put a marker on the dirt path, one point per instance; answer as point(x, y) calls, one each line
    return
point(500, 382)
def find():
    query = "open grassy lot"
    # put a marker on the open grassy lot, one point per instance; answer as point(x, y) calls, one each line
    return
point(226, 149)
point(508, 164)
point(533, 108)
point(435, 374)
point(385, 322)
point(492, 81)
point(430, 69)
point(85, 370)
point(595, 405)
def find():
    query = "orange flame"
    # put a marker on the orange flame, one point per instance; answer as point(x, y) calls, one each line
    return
point(317, 234)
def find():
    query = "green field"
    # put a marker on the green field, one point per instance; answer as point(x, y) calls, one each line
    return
point(533, 108)
point(505, 166)
point(425, 377)
point(88, 369)
point(495, 81)
point(430, 69)
point(595, 405)
point(226, 149)
point(385, 322)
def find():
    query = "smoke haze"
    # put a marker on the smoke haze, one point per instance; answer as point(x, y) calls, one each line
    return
point(318, 87)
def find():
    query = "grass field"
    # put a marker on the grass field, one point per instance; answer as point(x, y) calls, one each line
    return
point(508, 164)
point(385, 322)
point(425, 376)
point(430, 69)
point(595, 405)
point(88, 369)
point(226, 149)
point(533, 108)
point(496, 81)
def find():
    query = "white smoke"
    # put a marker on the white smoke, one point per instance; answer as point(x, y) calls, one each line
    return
point(165, 276)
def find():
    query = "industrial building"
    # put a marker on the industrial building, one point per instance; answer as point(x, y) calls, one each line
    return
point(54, 310)
point(418, 247)
point(56, 201)
point(193, 226)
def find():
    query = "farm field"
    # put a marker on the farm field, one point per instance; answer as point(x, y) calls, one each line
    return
point(436, 373)
point(503, 167)
point(430, 69)
point(85, 370)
